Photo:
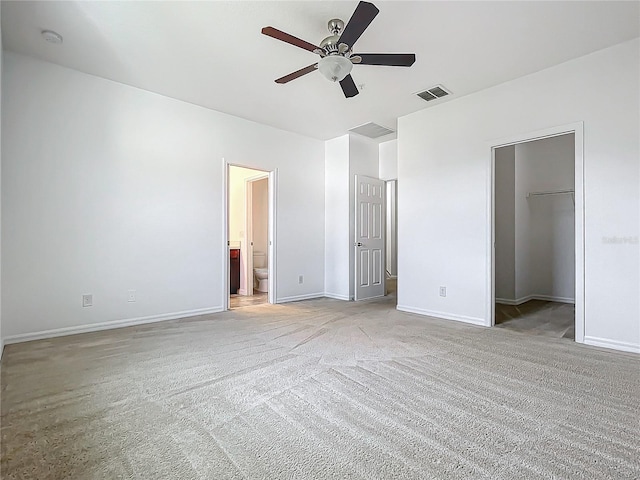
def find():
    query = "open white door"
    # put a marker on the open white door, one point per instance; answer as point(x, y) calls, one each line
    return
point(369, 241)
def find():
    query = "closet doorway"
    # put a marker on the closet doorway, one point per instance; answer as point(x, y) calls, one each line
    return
point(537, 268)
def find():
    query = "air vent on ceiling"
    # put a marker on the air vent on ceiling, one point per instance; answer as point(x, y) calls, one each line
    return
point(371, 130)
point(433, 93)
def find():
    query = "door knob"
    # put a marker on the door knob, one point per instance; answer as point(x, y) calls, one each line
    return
point(359, 244)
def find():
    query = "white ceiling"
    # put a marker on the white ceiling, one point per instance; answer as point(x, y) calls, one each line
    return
point(213, 54)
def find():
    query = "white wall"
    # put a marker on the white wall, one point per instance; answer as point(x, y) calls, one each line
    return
point(237, 202)
point(337, 240)
point(345, 157)
point(545, 225)
point(388, 152)
point(260, 211)
point(505, 223)
point(388, 170)
point(445, 183)
point(107, 188)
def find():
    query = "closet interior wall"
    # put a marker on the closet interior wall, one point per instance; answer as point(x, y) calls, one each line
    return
point(535, 221)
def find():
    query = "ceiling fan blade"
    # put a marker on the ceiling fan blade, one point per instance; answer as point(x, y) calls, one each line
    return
point(349, 87)
point(298, 73)
point(390, 59)
point(285, 37)
point(363, 15)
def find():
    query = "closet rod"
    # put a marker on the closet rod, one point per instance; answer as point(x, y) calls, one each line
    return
point(554, 192)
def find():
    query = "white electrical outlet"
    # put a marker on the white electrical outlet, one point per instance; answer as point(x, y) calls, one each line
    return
point(131, 297)
point(300, 279)
point(443, 291)
point(87, 300)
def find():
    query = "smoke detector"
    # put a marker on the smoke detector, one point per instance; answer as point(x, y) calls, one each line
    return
point(52, 37)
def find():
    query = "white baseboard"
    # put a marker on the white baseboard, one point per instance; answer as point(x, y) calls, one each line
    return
point(551, 298)
point(337, 296)
point(547, 298)
point(1, 348)
point(95, 327)
point(297, 298)
point(443, 315)
point(508, 301)
point(242, 291)
point(612, 344)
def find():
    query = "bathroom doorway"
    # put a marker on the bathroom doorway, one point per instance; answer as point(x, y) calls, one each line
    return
point(249, 219)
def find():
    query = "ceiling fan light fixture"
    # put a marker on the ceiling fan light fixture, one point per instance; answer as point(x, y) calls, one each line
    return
point(335, 67)
point(336, 51)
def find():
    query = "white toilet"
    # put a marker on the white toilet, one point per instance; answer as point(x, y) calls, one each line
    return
point(260, 272)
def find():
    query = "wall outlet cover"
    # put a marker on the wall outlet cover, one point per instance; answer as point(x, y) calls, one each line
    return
point(87, 300)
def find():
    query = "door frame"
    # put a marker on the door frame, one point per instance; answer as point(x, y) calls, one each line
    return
point(248, 228)
point(273, 186)
point(577, 129)
point(393, 241)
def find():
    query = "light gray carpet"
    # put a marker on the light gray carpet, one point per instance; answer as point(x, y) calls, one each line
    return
point(317, 390)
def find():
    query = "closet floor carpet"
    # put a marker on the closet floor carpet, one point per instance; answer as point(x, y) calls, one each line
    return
point(538, 317)
point(321, 389)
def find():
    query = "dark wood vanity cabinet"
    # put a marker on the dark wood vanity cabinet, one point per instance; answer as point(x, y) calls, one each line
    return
point(234, 269)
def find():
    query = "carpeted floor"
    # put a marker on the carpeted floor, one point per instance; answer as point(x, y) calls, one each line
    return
point(320, 389)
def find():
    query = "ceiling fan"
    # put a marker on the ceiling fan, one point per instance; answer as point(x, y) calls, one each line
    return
point(336, 51)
